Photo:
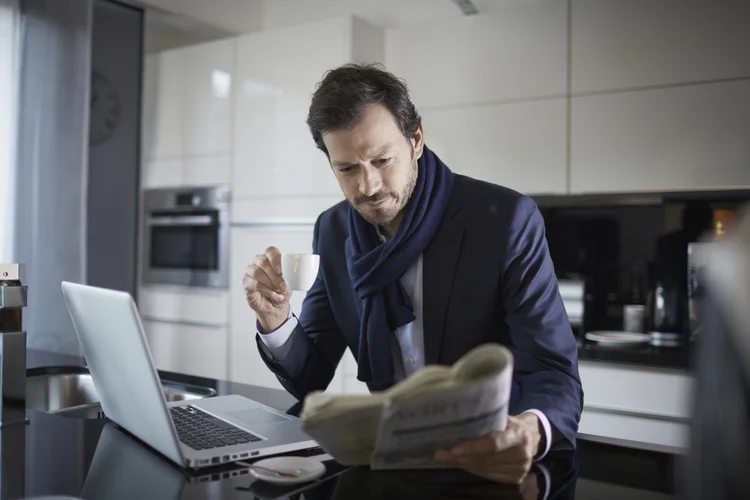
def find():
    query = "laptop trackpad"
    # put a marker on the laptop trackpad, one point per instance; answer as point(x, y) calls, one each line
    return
point(256, 416)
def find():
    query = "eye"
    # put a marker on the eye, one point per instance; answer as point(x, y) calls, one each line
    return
point(346, 170)
point(382, 161)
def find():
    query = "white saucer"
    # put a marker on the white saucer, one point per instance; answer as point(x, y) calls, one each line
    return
point(306, 469)
point(618, 338)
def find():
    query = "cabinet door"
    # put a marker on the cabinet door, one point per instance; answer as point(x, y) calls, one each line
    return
point(618, 44)
point(207, 98)
point(681, 138)
point(276, 73)
point(519, 145)
point(190, 349)
point(162, 117)
point(519, 52)
point(161, 173)
point(245, 363)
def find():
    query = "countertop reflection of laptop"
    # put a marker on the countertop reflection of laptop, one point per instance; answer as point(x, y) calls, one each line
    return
point(192, 434)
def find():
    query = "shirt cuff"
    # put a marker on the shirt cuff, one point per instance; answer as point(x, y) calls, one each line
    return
point(547, 432)
point(278, 342)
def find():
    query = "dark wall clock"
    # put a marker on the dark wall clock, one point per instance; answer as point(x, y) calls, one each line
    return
point(105, 109)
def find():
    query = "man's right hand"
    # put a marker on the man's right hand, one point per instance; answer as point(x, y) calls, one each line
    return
point(266, 291)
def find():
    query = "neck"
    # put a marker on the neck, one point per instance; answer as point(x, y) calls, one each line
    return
point(388, 230)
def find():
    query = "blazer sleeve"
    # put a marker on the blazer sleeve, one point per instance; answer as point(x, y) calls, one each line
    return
point(542, 342)
point(317, 343)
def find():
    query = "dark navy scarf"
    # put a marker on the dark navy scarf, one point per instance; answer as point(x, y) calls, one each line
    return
point(375, 267)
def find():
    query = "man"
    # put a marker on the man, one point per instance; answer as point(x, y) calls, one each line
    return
point(418, 266)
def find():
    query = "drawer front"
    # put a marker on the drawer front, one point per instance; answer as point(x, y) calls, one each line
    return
point(636, 390)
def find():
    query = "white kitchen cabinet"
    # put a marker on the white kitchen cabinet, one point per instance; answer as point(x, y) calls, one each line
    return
point(276, 73)
point(207, 98)
point(638, 407)
point(518, 145)
point(207, 170)
point(519, 52)
point(199, 305)
point(162, 105)
point(632, 389)
point(161, 173)
point(187, 115)
point(282, 209)
point(681, 138)
point(190, 349)
point(620, 44)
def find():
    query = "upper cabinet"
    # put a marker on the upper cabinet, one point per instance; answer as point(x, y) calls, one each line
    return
point(518, 145)
point(622, 44)
point(492, 92)
point(516, 54)
point(187, 102)
point(682, 138)
point(161, 115)
point(276, 74)
point(207, 99)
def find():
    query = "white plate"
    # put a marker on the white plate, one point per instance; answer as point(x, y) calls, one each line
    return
point(306, 469)
point(618, 338)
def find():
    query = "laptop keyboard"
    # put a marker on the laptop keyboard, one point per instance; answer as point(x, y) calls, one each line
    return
point(202, 431)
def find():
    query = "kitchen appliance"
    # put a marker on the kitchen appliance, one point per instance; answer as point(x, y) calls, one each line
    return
point(193, 434)
point(698, 258)
point(572, 292)
point(13, 298)
point(186, 236)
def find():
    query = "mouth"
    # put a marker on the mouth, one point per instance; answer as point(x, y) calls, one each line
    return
point(377, 203)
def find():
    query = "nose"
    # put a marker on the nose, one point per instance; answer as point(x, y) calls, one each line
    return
point(369, 181)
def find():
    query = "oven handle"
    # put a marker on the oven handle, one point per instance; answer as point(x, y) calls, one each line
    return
point(188, 220)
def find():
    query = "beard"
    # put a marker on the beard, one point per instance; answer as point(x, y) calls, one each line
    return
point(382, 216)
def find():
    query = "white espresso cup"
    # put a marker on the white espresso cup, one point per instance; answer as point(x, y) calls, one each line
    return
point(299, 270)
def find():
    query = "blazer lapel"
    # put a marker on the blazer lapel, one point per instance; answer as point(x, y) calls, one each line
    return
point(439, 261)
point(355, 296)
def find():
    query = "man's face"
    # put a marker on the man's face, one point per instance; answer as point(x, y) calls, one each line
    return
point(376, 166)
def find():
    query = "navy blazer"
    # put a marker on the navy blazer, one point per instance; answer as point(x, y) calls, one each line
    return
point(488, 277)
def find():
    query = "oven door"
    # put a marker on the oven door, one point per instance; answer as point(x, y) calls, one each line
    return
point(185, 248)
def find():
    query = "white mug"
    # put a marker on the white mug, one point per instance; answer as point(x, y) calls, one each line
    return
point(299, 270)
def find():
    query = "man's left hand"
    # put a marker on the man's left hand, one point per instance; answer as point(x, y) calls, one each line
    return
point(501, 456)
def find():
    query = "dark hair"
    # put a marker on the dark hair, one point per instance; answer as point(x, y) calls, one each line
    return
point(341, 97)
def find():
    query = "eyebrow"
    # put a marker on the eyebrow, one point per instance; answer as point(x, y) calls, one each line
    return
point(382, 151)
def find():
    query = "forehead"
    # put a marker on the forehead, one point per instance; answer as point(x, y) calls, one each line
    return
point(375, 132)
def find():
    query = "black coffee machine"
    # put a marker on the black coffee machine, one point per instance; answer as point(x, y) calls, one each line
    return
point(668, 301)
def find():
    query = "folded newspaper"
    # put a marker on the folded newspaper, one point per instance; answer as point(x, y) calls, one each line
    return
point(403, 427)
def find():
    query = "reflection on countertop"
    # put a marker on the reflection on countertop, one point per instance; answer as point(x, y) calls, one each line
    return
point(646, 355)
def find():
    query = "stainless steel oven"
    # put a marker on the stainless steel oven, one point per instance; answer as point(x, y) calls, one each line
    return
point(186, 236)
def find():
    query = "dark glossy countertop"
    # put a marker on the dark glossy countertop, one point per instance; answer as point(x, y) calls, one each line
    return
point(95, 459)
point(645, 355)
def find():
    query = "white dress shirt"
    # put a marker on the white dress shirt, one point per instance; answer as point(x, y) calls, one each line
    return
point(407, 344)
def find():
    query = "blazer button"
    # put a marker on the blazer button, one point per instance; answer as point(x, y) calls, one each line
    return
point(411, 360)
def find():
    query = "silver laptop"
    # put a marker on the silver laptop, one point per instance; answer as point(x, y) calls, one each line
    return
point(193, 434)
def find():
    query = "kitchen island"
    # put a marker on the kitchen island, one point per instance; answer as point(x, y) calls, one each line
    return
point(93, 458)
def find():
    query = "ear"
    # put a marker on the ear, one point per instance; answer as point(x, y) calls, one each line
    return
point(417, 141)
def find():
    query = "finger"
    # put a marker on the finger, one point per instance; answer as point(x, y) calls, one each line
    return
point(273, 255)
point(277, 282)
point(273, 296)
point(258, 275)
